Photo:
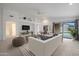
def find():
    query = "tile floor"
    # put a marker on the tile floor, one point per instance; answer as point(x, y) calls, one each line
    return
point(69, 47)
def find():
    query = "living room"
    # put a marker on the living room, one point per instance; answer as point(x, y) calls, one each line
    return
point(32, 22)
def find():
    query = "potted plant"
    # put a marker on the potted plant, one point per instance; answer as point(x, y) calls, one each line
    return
point(73, 32)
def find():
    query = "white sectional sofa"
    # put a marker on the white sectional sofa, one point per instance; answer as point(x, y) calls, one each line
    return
point(44, 47)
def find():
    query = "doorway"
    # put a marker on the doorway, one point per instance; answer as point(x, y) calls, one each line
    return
point(66, 26)
point(10, 29)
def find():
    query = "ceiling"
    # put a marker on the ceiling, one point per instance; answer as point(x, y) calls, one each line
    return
point(50, 10)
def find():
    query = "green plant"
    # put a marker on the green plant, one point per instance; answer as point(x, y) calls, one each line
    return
point(73, 31)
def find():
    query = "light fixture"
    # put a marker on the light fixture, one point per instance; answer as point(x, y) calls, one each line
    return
point(70, 3)
point(45, 22)
point(11, 15)
point(24, 18)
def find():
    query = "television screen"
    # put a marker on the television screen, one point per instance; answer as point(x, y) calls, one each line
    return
point(25, 27)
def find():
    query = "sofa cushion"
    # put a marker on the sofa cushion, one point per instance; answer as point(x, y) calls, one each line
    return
point(18, 41)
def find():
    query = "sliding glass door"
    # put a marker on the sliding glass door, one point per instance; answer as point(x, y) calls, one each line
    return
point(66, 26)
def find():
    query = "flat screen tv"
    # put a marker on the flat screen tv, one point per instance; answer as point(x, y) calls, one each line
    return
point(25, 27)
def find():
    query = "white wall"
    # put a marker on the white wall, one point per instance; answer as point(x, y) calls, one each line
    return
point(20, 23)
point(36, 25)
point(6, 18)
point(17, 18)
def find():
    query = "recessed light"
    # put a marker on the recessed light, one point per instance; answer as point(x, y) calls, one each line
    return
point(24, 18)
point(45, 22)
point(70, 3)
